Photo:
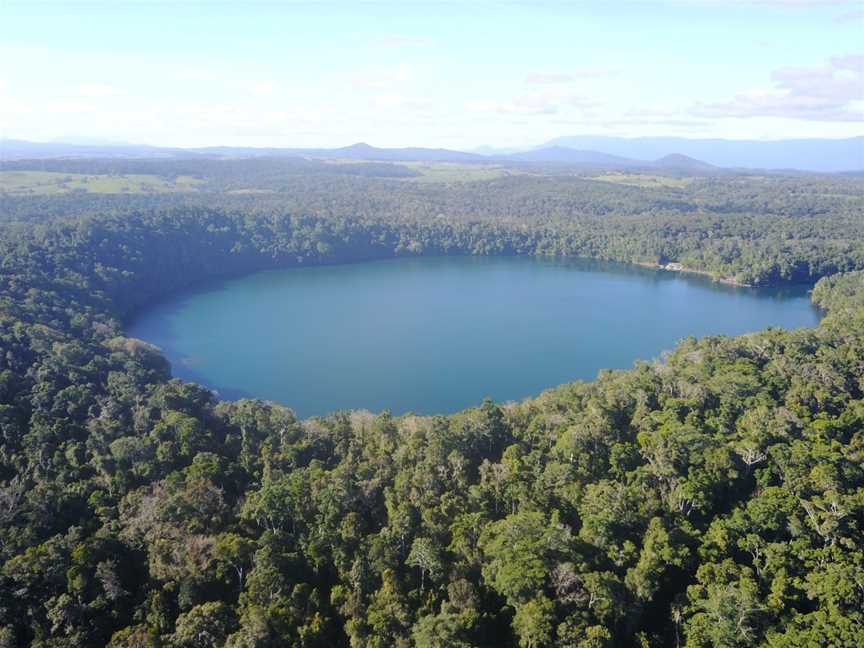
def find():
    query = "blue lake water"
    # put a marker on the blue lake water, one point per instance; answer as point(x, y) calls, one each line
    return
point(436, 335)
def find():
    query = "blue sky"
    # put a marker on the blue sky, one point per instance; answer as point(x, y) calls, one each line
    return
point(453, 74)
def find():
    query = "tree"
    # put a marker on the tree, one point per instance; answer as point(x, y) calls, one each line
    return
point(726, 605)
point(519, 552)
point(442, 630)
point(203, 626)
point(234, 551)
point(534, 622)
point(425, 556)
point(659, 553)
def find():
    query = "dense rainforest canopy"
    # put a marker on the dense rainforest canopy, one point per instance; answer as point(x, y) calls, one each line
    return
point(715, 498)
point(751, 228)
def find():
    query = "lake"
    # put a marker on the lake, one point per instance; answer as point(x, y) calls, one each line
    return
point(438, 334)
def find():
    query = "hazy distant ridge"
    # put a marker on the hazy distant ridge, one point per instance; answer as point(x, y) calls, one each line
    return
point(673, 153)
point(803, 154)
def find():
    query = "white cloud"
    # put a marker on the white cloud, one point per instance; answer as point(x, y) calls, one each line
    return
point(832, 92)
point(263, 88)
point(654, 111)
point(97, 90)
point(70, 107)
point(400, 102)
point(508, 107)
point(403, 41)
point(545, 102)
point(404, 72)
point(184, 72)
point(541, 78)
point(385, 79)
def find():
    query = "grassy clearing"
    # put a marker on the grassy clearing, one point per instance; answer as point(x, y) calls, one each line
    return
point(52, 183)
point(643, 180)
point(457, 172)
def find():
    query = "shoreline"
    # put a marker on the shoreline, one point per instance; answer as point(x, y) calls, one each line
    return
point(677, 267)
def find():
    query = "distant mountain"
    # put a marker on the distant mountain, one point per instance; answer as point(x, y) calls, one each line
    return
point(90, 141)
point(363, 151)
point(243, 151)
point(672, 153)
point(564, 155)
point(494, 151)
point(582, 158)
point(826, 155)
point(359, 151)
point(12, 149)
point(678, 162)
point(17, 149)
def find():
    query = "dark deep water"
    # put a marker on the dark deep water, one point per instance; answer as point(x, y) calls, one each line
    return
point(436, 335)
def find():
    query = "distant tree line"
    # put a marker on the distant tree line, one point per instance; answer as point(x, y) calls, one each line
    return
point(754, 230)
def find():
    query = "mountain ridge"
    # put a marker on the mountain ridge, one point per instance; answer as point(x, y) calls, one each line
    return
point(681, 154)
point(819, 155)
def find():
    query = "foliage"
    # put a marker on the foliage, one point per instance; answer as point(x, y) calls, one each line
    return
point(715, 498)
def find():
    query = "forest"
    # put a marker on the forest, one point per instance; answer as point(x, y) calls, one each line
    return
point(747, 228)
point(714, 498)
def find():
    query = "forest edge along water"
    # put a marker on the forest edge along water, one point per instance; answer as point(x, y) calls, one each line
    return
point(438, 334)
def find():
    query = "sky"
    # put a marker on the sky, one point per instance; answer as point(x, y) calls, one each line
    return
point(454, 74)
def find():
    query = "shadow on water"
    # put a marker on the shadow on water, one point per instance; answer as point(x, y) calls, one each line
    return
point(183, 371)
point(153, 321)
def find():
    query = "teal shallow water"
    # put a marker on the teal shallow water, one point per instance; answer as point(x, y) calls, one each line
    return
point(436, 335)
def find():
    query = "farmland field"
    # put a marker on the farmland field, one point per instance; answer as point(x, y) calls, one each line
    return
point(49, 182)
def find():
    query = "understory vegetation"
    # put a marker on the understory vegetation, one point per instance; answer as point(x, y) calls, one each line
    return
point(715, 498)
